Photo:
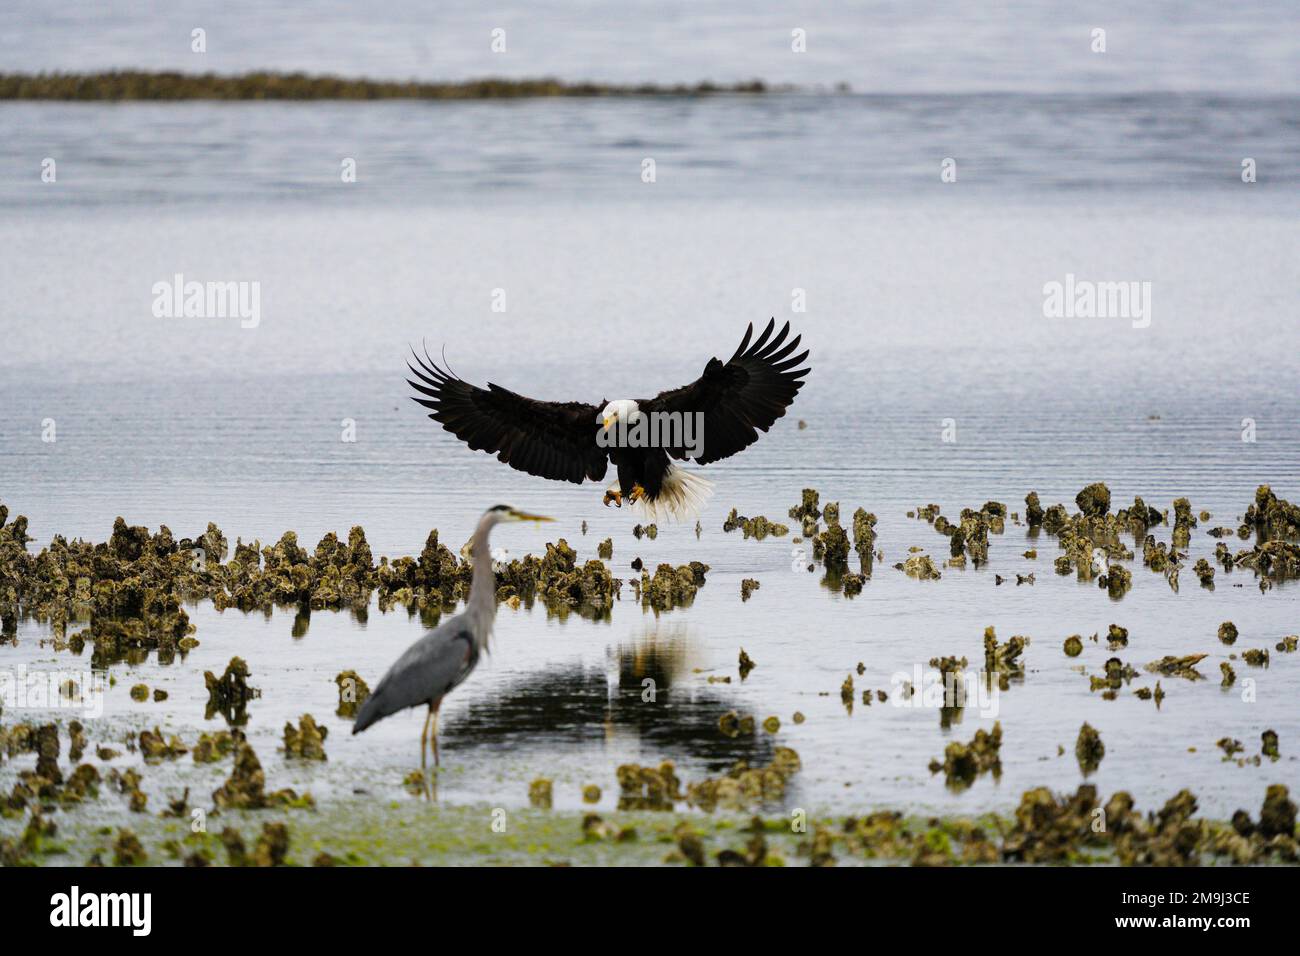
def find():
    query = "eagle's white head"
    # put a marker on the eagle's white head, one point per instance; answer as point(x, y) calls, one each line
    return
point(624, 410)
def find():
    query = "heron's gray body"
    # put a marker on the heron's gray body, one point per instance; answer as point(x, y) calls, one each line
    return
point(435, 664)
point(424, 674)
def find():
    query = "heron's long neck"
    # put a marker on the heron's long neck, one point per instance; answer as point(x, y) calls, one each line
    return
point(482, 604)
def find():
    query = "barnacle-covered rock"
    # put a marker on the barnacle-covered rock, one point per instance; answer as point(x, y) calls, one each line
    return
point(1118, 580)
point(1277, 817)
point(212, 747)
point(672, 586)
point(1033, 510)
point(272, 845)
point(1256, 656)
point(1089, 749)
point(127, 849)
point(831, 547)
point(229, 694)
point(1004, 659)
point(648, 788)
point(962, 763)
point(921, 567)
point(757, 528)
point(1269, 744)
point(245, 789)
point(1272, 516)
point(1205, 573)
point(743, 786)
point(591, 587)
point(541, 793)
point(353, 692)
point(307, 740)
point(1174, 666)
point(1094, 500)
point(807, 508)
point(154, 746)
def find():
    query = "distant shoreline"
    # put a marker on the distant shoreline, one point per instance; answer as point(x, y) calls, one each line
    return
point(117, 86)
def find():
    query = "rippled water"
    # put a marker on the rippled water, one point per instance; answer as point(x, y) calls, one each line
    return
point(924, 303)
point(777, 148)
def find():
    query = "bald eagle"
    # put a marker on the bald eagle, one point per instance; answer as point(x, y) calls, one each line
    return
point(714, 417)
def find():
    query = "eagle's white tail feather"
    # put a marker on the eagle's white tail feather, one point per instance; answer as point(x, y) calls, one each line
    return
point(681, 497)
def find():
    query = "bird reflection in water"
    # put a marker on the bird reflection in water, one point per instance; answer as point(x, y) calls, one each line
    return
point(647, 701)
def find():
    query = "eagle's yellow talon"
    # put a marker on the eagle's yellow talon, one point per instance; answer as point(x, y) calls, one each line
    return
point(636, 494)
point(614, 496)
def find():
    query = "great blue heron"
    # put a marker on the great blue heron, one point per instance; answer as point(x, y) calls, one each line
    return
point(444, 657)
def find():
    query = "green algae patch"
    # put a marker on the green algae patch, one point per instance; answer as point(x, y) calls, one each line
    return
point(1045, 828)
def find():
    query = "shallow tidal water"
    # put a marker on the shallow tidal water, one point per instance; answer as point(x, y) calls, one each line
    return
point(922, 305)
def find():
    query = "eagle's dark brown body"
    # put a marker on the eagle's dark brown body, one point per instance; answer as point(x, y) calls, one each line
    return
point(733, 401)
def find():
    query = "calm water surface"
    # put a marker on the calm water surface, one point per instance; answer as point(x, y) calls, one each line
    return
point(924, 303)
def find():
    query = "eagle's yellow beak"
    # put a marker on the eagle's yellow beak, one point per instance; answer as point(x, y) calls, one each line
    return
point(607, 421)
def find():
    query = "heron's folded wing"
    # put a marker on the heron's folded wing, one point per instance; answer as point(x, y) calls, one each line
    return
point(425, 672)
point(549, 439)
point(740, 398)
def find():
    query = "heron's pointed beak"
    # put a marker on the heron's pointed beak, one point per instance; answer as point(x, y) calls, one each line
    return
point(525, 516)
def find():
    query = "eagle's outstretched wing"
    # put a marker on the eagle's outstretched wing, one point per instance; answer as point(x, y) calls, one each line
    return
point(740, 398)
point(549, 439)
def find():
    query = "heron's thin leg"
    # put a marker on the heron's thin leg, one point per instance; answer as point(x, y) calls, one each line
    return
point(424, 741)
point(433, 712)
